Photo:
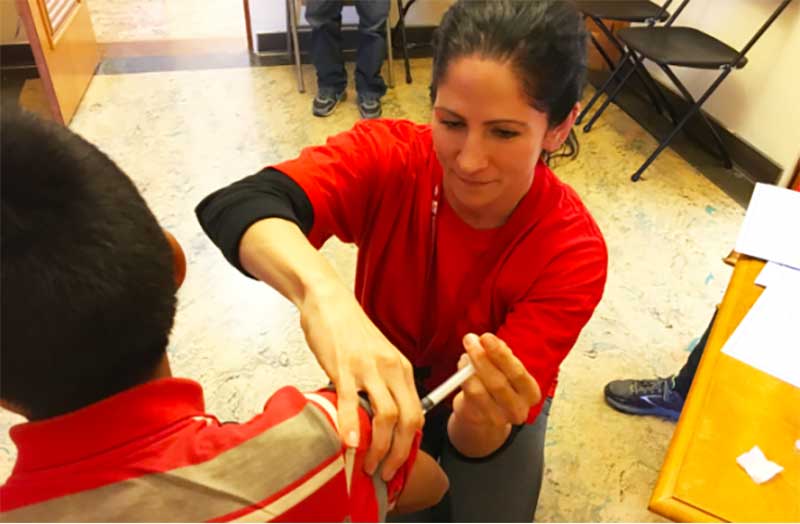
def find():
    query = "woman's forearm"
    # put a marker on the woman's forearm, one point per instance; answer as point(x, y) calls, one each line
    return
point(476, 440)
point(276, 252)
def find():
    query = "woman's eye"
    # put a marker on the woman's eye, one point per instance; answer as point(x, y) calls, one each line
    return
point(452, 124)
point(505, 133)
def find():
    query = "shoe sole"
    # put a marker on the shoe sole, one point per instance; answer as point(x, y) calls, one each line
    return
point(330, 111)
point(369, 117)
point(654, 411)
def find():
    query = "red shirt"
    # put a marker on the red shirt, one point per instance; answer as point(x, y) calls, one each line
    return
point(426, 278)
point(151, 453)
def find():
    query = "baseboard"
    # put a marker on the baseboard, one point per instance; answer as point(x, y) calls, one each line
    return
point(16, 56)
point(754, 163)
point(419, 40)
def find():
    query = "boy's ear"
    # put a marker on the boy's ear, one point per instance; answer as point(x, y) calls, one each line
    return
point(178, 259)
point(10, 406)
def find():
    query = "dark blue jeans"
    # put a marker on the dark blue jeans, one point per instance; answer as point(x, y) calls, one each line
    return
point(683, 381)
point(325, 18)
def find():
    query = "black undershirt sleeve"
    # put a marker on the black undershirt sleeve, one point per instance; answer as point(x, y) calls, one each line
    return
point(226, 213)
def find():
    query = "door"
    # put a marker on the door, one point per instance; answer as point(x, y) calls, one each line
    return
point(65, 50)
point(596, 61)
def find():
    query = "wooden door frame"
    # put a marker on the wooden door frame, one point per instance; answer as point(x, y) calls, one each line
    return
point(66, 56)
point(28, 20)
point(248, 26)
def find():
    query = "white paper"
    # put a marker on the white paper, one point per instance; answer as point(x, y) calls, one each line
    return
point(767, 337)
point(779, 274)
point(757, 466)
point(770, 227)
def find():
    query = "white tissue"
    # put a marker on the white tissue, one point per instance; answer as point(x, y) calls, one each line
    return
point(757, 466)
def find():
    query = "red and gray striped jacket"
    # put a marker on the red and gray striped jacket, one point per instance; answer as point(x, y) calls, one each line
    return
point(151, 453)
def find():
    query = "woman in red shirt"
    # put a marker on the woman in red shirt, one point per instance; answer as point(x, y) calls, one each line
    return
point(462, 231)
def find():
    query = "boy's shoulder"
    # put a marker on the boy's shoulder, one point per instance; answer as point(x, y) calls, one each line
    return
point(287, 459)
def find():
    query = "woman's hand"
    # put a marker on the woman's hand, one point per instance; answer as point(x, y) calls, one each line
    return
point(352, 351)
point(358, 357)
point(499, 395)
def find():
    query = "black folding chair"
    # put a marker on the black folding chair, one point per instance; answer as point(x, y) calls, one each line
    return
point(401, 26)
point(633, 11)
point(685, 47)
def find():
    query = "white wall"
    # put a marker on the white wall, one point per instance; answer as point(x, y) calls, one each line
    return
point(269, 16)
point(11, 29)
point(760, 103)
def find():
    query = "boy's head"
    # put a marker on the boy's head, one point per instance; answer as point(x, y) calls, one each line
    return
point(88, 296)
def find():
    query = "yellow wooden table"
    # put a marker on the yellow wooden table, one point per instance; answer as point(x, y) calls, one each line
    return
point(730, 408)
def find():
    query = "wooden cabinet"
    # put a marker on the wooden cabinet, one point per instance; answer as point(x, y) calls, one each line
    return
point(596, 61)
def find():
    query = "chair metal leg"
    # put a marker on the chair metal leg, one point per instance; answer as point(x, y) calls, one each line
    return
point(602, 90)
point(291, 8)
point(666, 104)
point(603, 54)
point(696, 107)
point(402, 25)
point(725, 156)
point(390, 52)
point(611, 97)
point(621, 48)
point(288, 33)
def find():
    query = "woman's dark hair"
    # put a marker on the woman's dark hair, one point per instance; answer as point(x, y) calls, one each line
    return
point(88, 292)
point(544, 40)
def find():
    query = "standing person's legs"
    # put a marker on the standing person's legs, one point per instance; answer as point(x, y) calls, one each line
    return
point(372, 15)
point(661, 397)
point(325, 18)
point(683, 380)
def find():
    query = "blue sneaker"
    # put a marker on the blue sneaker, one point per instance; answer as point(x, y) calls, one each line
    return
point(645, 397)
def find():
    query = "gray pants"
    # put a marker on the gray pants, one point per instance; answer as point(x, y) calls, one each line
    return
point(503, 487)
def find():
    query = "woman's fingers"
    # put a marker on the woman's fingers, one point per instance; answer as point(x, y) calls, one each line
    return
point(397, 414)
point(476, 396)
point(347, 410)
point(512, 368)
point(409, 418)
point(503, 377)
point(384, 416)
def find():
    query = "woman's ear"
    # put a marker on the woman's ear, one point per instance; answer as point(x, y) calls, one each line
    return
point(555, 136)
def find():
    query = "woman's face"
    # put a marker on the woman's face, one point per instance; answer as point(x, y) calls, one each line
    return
point(488, 139)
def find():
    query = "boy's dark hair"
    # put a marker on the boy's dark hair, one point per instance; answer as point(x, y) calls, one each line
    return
point(88, 296)
point(544, 40)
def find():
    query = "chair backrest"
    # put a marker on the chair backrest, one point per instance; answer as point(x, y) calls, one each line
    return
point(775, 14)
point(677, 12)
point(735, 63)
point(661, 13)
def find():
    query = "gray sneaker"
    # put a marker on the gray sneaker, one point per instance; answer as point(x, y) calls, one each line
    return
point(369, 106)
point(326, 102)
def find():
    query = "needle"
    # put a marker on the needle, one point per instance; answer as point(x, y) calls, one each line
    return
point(447, 387)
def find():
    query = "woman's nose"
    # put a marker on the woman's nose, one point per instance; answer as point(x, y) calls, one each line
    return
point(473, 156)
